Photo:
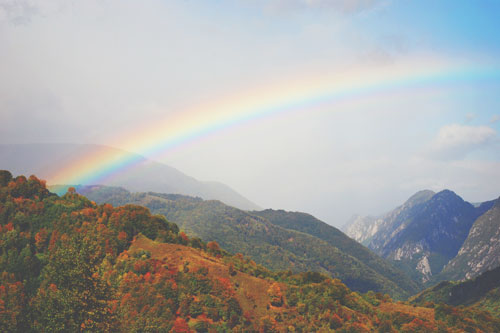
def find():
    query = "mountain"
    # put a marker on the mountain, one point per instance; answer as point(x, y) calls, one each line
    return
point(146, 175)
point(483, 292)
point(481, 250)
point(426, 232)
point(363, 228)
point(270, 241)
point(70, 265)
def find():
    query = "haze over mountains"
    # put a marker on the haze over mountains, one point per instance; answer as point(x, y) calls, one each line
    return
point(147, 175)
point(429, 230)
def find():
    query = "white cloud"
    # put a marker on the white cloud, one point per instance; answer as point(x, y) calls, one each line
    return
point(494, 118)
point(456, 141)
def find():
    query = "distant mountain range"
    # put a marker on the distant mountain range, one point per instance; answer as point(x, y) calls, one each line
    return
point(276, 239)
point(147, 175)
point(429, 232)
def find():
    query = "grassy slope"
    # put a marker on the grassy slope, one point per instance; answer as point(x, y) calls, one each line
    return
point(177, 255)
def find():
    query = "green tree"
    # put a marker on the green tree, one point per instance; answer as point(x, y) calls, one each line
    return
point(5, 177)
point(73, 297)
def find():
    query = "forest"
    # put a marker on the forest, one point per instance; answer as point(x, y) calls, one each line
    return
point(68, 264)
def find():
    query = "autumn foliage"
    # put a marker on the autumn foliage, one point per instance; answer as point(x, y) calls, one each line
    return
point(67, 264)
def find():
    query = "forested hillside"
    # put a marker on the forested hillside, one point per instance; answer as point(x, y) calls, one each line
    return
point(310, 225)
point(68, 264)
point(483, 292)
point(273, 239)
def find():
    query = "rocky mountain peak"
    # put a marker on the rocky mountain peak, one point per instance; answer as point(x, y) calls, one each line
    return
point(419, 197)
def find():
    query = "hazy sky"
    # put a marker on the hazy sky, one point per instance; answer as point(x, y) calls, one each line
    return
point(96, 71)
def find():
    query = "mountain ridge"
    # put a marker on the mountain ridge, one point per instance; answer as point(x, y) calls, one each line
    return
point(425, 233)
point(364, 228)
point(481, 250)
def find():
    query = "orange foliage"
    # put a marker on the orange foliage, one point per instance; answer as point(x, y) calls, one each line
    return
point(336, 321)
point(183, 236)
point(122, 235)
point(417, 325)
point(225, 283)
point(148, 290)
point(180, 326)
point(41, 239)
point(213, 246)
point(275, 294)
point(53, 239)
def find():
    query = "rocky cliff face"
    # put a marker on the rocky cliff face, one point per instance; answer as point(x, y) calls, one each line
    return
point(481, 250)
point(423, 234)
point(376, 230)
point(361, 228)
point(395, 222)
point(431, 234)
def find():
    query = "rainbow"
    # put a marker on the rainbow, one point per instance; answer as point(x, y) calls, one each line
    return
point(300, 95)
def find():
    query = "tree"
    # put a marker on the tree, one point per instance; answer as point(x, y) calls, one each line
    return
point(5, 177)
point(13, 316)
point(73, 296)
point(275, 294)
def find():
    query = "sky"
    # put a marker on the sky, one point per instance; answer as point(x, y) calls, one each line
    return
point(338, 121)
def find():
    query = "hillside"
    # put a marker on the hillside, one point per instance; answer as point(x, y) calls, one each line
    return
point(68, 264)
point(310, 225)
point(482, 292)
point(426, 232)
point(146, 175)
point(267, 242)
point(481, 250)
